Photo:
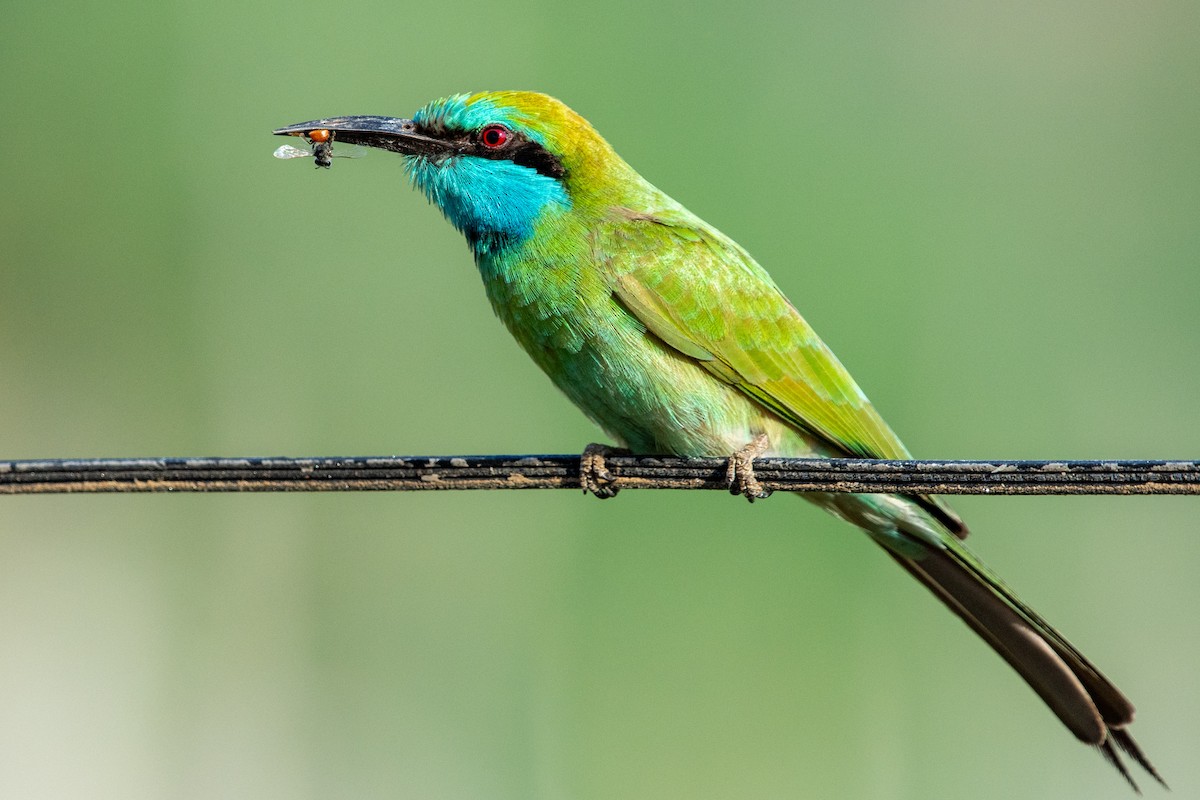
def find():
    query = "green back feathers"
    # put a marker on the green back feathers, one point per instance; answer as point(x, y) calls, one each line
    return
point(712, 302)
point(704, 296)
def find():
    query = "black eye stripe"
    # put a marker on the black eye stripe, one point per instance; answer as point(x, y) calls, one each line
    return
point(518, 149)
point(533, 155)
point(523, 152)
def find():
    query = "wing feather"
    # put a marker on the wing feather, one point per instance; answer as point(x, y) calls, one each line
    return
point(704, 296)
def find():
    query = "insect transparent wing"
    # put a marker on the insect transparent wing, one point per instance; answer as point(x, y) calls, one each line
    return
point(349, 151)
point(341, 151)
point(287, 151)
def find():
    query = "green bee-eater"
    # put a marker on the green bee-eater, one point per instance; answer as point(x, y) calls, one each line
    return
point(675, 341)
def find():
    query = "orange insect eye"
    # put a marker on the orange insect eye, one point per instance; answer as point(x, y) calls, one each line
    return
point(320, 135)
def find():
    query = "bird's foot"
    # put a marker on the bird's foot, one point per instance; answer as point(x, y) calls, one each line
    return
point(594, 476)
point(741, 470)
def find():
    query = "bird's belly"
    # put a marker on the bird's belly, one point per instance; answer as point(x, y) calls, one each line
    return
point(653, 399)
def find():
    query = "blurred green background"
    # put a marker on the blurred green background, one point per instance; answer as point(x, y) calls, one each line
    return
point(991, 214)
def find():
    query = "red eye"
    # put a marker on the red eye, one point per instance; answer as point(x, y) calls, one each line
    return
point(320, 135)
point(494, 136)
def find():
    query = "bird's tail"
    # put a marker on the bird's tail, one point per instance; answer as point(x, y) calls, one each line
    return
point(1078, 693)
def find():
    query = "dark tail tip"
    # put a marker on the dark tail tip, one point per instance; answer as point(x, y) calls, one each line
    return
point(1118, 738)
point(1113, 757)
point(1131, 749)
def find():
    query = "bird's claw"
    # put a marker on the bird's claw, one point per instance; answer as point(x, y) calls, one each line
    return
point(740, 471)
point(594, 476)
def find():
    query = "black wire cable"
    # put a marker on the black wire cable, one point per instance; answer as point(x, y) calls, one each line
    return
point(425, 473)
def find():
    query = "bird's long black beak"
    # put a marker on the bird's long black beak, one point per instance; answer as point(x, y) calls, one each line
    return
point(386, 133)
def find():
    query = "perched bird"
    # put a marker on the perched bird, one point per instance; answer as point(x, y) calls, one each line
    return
point(675, 341)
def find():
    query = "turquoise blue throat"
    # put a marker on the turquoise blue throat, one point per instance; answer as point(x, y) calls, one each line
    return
point(494, 203)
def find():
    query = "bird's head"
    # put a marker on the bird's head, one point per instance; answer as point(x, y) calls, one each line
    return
point(497, 164)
